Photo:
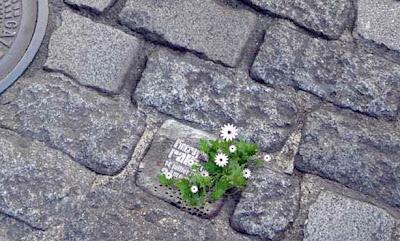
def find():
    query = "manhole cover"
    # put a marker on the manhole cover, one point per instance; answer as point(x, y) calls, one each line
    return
point(22, 27)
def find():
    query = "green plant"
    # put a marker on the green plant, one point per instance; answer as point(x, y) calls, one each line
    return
point(226, 165)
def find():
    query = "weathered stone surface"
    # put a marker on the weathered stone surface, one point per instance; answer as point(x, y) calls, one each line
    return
point(379, 21)
point(96, 5)
point(334, 217)
point(268, 204)
point(113, 215)
point(94, 54)
point(329, 18)
point(311, 188)
point(38, 185)
point(339, 73)
point(11, 229)
point(358, 151)
point(198, 91)
point(204, 27)
point(172, 149)
point(284, 159)
point(96, 131)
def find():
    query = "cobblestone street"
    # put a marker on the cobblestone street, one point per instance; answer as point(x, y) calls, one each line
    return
point(316, 84)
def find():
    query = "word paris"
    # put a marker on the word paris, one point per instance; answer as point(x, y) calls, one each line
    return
point(180, 157)
point(219, 166)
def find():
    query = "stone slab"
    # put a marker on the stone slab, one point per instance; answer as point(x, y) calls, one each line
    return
point(205, 27)
point(201, 92)
point(38, 185)
point(113, 215)
point(97, 131)
point(334, 217)
point(326, 17)
point(11, 229)
point(93, 54)
point(99, 6)
point(336, 72)
point(379, 22)
point(268, 205)
point(358, 151)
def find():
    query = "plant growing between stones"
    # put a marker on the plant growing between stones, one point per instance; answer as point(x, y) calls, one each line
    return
point(225, 165)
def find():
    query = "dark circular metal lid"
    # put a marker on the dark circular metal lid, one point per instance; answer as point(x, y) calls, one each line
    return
point(22, 28)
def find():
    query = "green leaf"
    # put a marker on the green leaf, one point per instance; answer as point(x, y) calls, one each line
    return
point(184, 187)
point(237, 179)
point(164, 181)
point(221, 179)
point(212, 168)
point(221, 187)
point(235, 175)
point(203, 145)
point(196, 167)
point(259, 163)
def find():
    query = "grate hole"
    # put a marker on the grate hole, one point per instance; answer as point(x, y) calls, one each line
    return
point(173, 197)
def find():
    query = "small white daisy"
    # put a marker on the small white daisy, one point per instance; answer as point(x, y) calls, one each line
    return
point(205, 173)
point(267, 158)
point(168, 175)
point(229, 132)
point(194, 189)
point(232, 148)
point(221, 160)
point(247, 173)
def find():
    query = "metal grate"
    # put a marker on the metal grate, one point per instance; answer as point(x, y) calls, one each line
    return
point(173, 149)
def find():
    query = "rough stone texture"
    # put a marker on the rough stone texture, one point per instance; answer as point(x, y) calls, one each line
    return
point(11, 229)
point(268, 204)
point(94, 54)
point(379, 21)
point(204, 26)
point(311, 188)
point(326, 17)
point(96, 131)
point(38, 185)
point(334, 217)
point(338, 73)
point(86, 114)
point(106, 214)
point(204, 93)
point(283, 160)
point(357, 151)
point(98, 6)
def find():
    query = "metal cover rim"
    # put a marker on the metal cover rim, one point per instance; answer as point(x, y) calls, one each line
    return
point(34, 45)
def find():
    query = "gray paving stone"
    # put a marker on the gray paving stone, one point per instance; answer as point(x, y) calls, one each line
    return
point(38, 185)
point(98, 6)
point(358, 151)
point(11, 229)
point(334, 217)
point(268, 205)
point(201, 92)
point(97, 131)
point(379, 21)
point(94, 54)
point(204, 27)
point(336, 72)
point(311, 188)
point(112, 215)
point(326, 17)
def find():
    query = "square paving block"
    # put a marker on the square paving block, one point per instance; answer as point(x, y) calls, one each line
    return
point(173, 149)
